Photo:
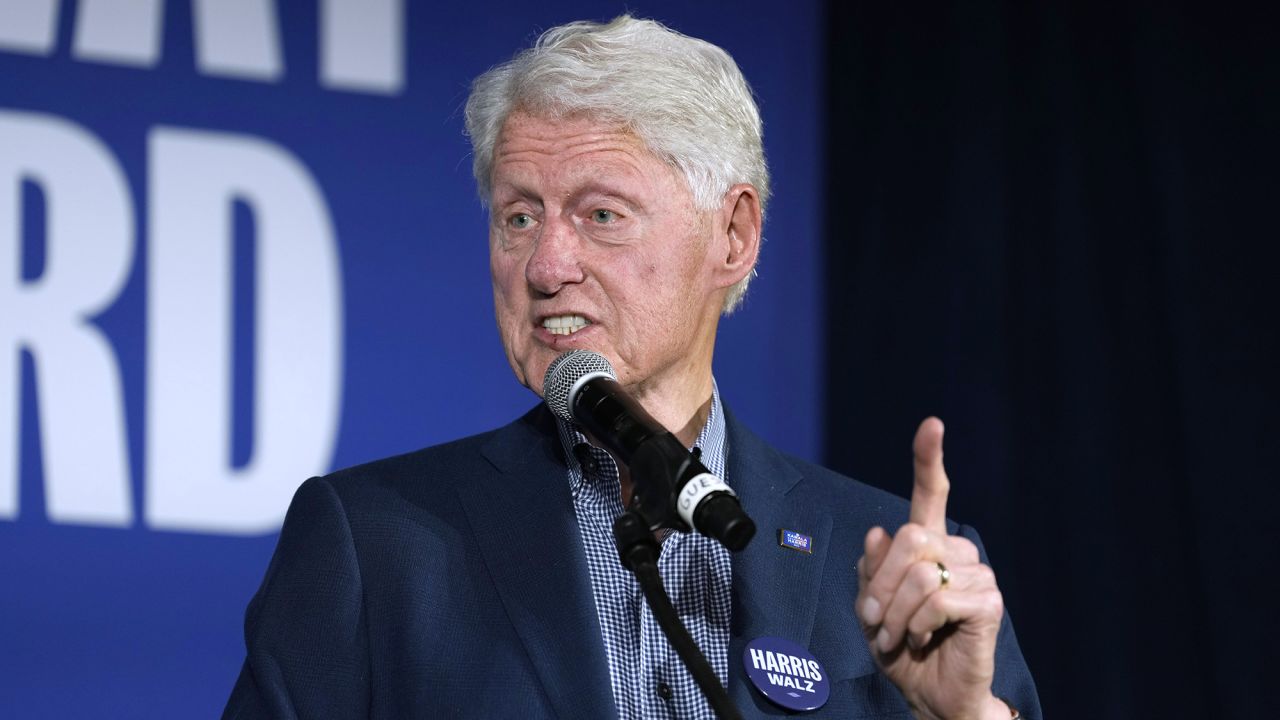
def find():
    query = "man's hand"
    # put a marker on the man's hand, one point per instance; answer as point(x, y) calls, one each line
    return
point(929, 609)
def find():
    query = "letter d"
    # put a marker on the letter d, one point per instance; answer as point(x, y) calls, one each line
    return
point(194, 178)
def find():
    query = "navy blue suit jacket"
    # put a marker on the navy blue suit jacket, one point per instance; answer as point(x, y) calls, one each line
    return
point(452, 582)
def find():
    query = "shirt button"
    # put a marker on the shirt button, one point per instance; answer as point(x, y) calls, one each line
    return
point(664, 691)
point(585, 459)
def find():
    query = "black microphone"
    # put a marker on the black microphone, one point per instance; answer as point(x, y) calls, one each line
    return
point(670, 487)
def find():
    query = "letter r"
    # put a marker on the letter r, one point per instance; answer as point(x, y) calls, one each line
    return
point(89, 251)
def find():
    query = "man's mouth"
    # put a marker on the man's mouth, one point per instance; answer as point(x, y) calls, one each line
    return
point(565, 324)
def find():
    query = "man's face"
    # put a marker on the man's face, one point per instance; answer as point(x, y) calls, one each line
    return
point(595, 243)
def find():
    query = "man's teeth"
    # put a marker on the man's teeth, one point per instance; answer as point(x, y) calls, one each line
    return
point(564, 324)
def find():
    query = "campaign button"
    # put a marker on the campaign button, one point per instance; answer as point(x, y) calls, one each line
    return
point(786, 674)
point(795, 540)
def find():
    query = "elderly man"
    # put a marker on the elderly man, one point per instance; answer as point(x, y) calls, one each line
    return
point(623, 169)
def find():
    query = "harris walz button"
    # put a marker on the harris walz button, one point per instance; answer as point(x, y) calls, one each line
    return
point(787, 674)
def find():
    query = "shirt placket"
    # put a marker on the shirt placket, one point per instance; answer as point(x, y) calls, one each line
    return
point(652, 682)
point(660, 664)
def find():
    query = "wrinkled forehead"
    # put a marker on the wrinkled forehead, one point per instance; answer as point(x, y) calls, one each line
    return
point(550, 124)
point(553, 127)
point(540, 133)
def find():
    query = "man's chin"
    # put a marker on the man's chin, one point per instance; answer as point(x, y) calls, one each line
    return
point(532, 371)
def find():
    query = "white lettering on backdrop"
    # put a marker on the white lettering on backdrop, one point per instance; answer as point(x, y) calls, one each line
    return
point(89, 252)
point(361, 41)
point(194, 177)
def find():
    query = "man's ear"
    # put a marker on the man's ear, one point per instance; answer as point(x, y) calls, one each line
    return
point(738, 228)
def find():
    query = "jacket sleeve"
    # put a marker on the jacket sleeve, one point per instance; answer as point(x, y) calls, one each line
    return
point(1013, 681)
point(305, 633)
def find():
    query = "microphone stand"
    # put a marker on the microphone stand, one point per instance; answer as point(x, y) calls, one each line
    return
point(639, 552)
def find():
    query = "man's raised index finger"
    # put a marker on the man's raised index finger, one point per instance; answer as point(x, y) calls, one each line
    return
point(929, 497)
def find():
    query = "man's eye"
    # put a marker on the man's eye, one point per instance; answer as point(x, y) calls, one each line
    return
point(520, 221)
point(603, 216)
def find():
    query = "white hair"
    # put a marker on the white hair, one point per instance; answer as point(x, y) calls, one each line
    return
point(684, 98)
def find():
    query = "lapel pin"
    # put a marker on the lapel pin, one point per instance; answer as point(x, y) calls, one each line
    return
point(795, 541)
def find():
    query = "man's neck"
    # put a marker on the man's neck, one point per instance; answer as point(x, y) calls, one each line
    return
point(682, 406)
point(687, 435)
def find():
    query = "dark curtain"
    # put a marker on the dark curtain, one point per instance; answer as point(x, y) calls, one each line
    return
point(1049, 224)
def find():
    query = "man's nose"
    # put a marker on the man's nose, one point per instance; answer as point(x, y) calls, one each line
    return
point(557, 258)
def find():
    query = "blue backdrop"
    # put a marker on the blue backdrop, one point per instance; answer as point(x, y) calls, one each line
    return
point(240, 245)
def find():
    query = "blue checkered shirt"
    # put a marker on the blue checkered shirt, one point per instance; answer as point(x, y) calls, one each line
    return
point(648, 678)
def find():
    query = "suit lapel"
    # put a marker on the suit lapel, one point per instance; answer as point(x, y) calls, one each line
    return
point(775, 589)
point(526, 529)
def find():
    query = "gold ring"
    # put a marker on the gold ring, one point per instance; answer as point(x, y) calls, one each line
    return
point(944, 576)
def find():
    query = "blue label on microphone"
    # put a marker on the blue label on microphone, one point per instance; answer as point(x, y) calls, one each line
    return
point(786, 674)
point(795, 541)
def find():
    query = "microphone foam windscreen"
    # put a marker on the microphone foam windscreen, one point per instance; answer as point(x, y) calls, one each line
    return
point(563, 375)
